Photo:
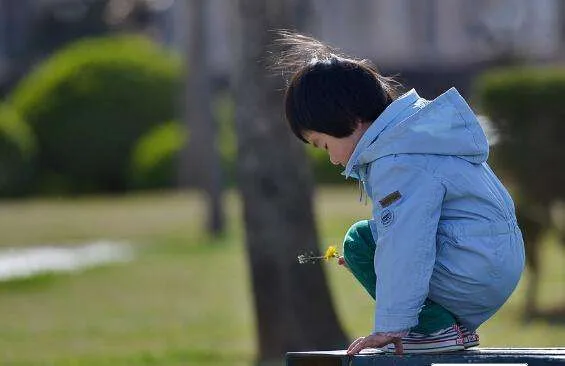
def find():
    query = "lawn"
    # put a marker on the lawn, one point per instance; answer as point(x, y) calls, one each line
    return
point(186, 299)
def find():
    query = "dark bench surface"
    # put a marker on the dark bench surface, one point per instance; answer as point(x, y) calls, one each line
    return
point(529, 356)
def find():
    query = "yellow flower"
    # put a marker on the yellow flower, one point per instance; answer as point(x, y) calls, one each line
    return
point(331, 252)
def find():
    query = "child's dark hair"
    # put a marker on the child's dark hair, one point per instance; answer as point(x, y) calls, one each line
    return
point(328, 92)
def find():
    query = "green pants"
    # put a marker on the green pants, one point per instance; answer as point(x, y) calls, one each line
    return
point(359, 252)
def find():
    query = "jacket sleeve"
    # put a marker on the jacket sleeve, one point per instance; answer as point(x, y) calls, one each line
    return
point(407, 203)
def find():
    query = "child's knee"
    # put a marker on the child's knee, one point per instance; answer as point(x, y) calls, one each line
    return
point(358, 242)
point(359, 253)
point(348, 251)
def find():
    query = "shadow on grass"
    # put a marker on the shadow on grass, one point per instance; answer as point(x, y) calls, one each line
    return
point(42, 281)
point(31, 283)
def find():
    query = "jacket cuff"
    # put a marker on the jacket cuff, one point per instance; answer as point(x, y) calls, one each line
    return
point(398, 334)
point(394, 323)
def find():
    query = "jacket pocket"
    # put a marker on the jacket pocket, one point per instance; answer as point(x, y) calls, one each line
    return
point(474, 259)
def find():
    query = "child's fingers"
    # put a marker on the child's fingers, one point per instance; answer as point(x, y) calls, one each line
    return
point(353, 347)
point(398, 348)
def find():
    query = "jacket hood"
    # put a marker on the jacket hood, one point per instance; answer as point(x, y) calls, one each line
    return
point(414, 125)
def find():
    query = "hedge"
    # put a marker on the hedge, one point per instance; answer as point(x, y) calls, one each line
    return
point(90, 103)
point(17, 148)
point(155, 158)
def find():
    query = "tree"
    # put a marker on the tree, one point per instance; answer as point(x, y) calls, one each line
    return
point(16, 19)
point(200, 162)
point(293, 305)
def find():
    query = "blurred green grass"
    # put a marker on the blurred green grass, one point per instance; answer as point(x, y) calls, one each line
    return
point(186, 298)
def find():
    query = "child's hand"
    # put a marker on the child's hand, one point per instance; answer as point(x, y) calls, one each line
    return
point(375, 341)
point(341, 261)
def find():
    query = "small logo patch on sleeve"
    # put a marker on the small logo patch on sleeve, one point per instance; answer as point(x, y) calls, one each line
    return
point(390, 199)
point(387, 217)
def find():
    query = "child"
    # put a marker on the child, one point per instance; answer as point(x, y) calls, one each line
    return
point(443, 251)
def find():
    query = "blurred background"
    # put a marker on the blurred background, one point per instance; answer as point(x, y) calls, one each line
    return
point(153, 201)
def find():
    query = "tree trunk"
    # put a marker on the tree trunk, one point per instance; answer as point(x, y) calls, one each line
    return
point(293, 305)
point(200, 162)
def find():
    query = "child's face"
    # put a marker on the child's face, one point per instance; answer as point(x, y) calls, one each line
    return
point(339, 149)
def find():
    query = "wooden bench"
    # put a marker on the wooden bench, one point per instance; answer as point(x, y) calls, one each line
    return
point(515, 356)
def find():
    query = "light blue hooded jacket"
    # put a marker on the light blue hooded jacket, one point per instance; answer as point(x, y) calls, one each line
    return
point(444, 225)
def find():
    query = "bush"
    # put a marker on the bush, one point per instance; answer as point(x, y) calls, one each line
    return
point(155, 157)
point(90, 103)
point(169, 146)
point(526, 106)
point(17, 147)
